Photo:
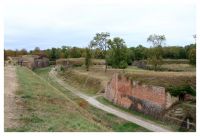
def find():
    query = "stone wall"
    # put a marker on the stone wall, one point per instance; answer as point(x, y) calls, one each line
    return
point(130, 94)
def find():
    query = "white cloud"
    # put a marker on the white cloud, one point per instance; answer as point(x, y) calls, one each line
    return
point(48, 22)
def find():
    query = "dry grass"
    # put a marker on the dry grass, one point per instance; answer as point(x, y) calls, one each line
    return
point(81, 61)
point(164, 79)
point(178, 67)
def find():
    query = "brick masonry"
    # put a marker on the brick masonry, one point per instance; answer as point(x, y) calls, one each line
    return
point(133, 95)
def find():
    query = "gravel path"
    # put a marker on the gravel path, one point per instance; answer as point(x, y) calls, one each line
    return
point(129, 117)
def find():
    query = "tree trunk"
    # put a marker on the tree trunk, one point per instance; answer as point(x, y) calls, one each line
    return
point(106, 67)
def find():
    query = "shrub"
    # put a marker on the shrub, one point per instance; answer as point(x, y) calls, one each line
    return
point(176, 91)
point(192, 56)
point(123, 64)
point(62, 68)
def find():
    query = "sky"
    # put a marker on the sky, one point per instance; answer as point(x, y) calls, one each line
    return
point(54, 23)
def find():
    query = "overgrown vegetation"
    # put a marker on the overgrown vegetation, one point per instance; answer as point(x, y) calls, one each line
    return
point(179, 90)
point(88, 59)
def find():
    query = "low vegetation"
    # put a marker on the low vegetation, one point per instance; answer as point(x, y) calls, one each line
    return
point(164, 79)
point(139, 114)
point(88, 84)
point(178, 90)
point(48, 109)
point(111, 122)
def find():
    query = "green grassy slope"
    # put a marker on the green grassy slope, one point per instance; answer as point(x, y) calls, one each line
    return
point(107, 120)
point(47, 109)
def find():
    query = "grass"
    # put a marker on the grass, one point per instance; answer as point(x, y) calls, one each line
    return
point(87, 84)
point(163, 79)
point(178, 67)
point(81, 61)
point(157, 78)
point(47, 109)
point(139, 114)
point(109, 121)
point(175, 61)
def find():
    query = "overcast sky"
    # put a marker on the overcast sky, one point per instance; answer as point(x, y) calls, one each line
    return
point(53, 23)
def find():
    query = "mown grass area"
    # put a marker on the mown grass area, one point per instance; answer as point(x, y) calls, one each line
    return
point(48, 109)
point(139, 114)
point(107, 120)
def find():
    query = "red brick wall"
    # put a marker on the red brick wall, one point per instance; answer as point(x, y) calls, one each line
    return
point(118, 88)
point(150, 93)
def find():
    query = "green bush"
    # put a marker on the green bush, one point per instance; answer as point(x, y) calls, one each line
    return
point(123, 64)
point(62, 69)
point(176, 91)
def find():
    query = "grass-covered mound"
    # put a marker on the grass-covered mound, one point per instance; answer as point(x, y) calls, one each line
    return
point(85, 83)
point(177, 80)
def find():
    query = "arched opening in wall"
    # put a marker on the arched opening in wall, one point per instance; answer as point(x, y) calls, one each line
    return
point(182, 96)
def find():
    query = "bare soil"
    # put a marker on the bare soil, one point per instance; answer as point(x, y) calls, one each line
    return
point(11, 108)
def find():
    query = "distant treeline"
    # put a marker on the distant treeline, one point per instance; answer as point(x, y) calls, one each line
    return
point(135, 53)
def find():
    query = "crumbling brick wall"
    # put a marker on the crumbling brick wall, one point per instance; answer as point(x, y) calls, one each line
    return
point(33, 61)
point(130, 94)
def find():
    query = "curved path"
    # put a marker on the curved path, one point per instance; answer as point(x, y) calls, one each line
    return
point(129, 117)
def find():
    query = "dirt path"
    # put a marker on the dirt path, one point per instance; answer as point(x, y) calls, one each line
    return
point(129, 117)
point(10, 99)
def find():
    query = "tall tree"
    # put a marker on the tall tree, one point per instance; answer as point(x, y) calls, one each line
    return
point(192, 56)
point(155, 56)
point(87, 58)
point(100, 41)
point(36, 51)
point(118, 55)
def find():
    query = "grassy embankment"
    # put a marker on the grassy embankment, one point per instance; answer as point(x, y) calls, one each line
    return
point(48, 109)
point(164, 79)
point(106, 121)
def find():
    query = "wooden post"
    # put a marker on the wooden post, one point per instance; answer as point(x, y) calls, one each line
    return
point(188, 123)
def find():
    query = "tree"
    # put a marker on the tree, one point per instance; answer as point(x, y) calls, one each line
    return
point(87, 58)
point(118, 53)
point(192, 56)
point(54, 54)
point(36, 51)
point(155, 56)
point(23, 52)
point(100, 41)
point(138, 53)
point(75, 52)
point(64, 52)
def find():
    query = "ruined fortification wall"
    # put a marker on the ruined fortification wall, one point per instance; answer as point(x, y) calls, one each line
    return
point(130, 94)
